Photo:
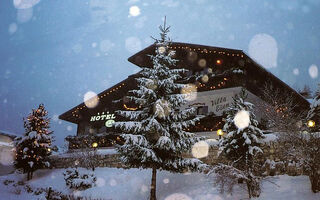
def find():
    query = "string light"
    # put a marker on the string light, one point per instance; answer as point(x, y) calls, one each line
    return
point(202, 50)
point(101, 97)
point(128, 108)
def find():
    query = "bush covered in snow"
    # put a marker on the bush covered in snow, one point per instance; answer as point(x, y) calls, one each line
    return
point(79, 180)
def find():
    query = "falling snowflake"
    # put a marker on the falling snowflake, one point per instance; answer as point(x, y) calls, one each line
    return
point(200, 149)
point(264, 49)
point(202, 63)
point(112, 182)
point(313, 71)
point(189, 92)
point(295, 71)
point(24, 15)
point(133, 44)
point(12, 28)
point(106, 45)
point(242, 119)
point(69, 128)
point(91, 99)
point(134, 11)
point(100, 182)
point(25, 4)
point(178, 196)
point(166, 181)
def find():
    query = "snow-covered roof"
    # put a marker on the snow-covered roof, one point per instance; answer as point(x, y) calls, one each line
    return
point(229, 57)
point(5, 133)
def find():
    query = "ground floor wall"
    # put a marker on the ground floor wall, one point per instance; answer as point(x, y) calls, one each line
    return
point(272, 161)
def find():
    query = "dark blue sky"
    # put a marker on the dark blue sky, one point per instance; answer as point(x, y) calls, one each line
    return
point(53, 52)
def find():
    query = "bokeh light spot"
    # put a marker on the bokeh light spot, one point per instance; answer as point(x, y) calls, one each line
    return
point(12, 28)
point(91, 99)
point(161, 50)
point(192, 56)
point(113, 182)
point(200, 149)
point(242, 119)
point(134, 11)
point(166, 181)
point(25, 4)
point(100, 182)
point(205, 78)
point(202, 62)
point(313, 71)
point(162, 108)
point(133, 44)
point(189, 92)
point(178, 196)
point(264, 49)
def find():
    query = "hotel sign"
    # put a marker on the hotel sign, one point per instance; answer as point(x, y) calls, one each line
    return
point(109, 118)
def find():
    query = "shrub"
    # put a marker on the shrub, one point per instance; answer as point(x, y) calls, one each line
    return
point(80, 181)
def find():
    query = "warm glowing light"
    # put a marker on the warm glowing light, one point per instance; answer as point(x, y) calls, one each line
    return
point(49, 149)
point(205, 78)
point(161, 50)
point(311, 123)
point(94, 145)
point(218, 62)
point(128, 108)
point(220, 132)
point(202, 62)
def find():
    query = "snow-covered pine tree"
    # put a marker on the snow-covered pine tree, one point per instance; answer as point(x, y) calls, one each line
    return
point(155, 135)
point(243, 139)
point(310, 145)
point(33, 149)
point(314, 113)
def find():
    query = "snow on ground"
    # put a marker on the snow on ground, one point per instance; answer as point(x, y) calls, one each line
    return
point(133, 184)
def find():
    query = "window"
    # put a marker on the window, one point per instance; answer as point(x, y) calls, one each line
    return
point(202, 110)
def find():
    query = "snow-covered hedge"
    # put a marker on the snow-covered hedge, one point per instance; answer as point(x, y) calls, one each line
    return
point(80, 180)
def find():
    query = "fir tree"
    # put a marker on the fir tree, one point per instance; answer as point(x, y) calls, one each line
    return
point(155, 135)
point(242, 141)
point(314, 113)
point(306, 92)
point(33, 149)
point(310, 145)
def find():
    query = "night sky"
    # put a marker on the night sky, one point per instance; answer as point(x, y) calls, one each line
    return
point(54, 52)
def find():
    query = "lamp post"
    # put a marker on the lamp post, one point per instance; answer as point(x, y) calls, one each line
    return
point(95, 145)
point(311, 123)
point(220, 133)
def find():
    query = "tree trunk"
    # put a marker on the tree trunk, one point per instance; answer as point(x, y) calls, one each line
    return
point(249, 188)
point(315, 181)
point(153, 184)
